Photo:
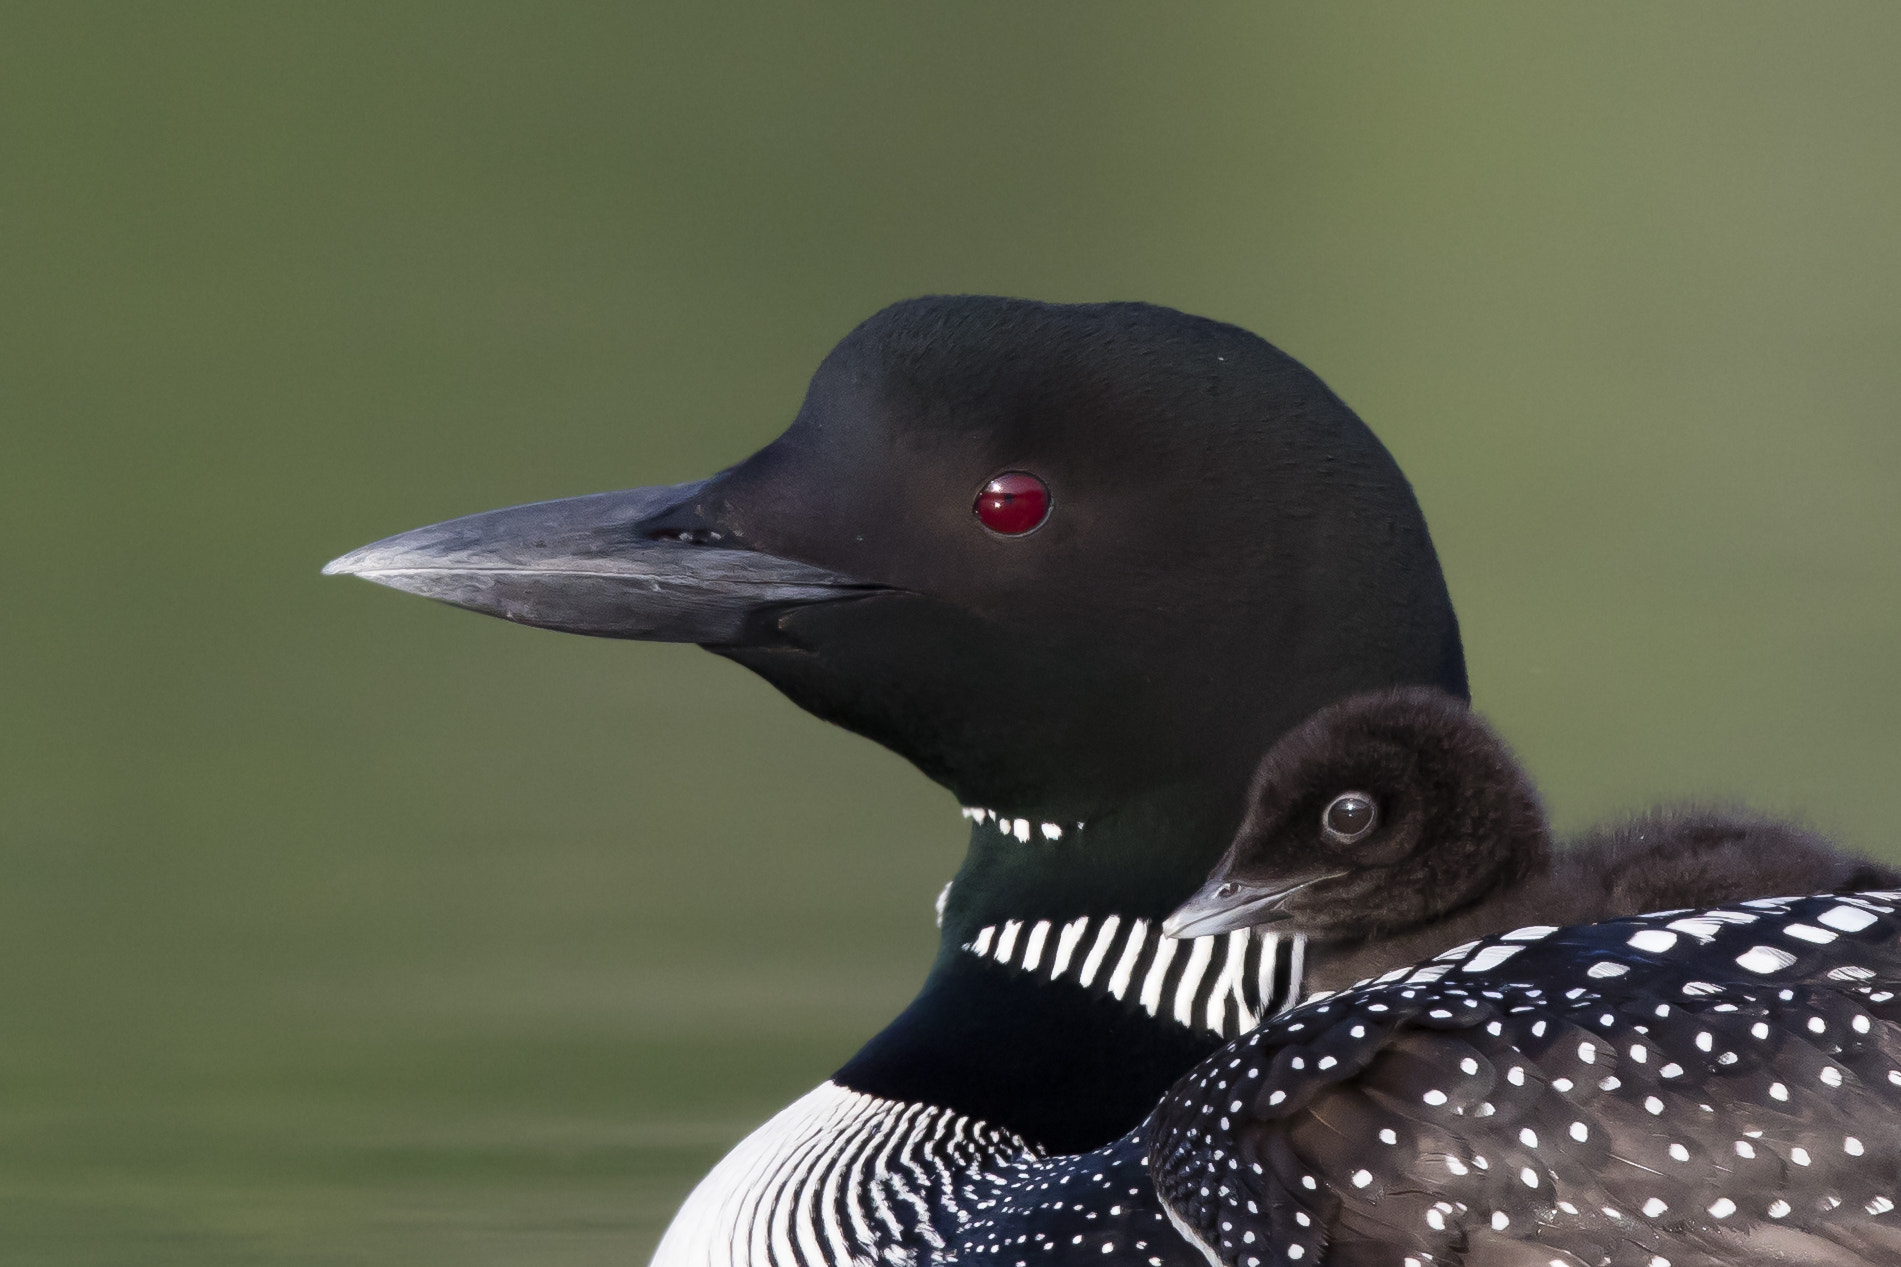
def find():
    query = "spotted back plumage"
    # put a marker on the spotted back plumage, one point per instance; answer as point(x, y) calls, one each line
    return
point(1693, 1087)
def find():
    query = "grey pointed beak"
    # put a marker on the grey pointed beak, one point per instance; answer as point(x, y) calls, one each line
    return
point(592, 565)
point(1225, 904)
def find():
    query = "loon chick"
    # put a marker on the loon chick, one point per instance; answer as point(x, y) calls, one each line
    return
point(1080, 564)
point(1395, 823)
point(1686, 1089)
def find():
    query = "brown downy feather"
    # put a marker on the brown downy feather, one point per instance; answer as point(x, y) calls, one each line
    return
point(1461, 847)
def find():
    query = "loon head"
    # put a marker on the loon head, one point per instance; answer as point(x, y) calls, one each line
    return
point(1379, 814)
point(1080, 564)
point(1074, 562)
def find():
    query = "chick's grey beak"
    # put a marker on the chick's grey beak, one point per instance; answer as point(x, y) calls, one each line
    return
point(595, 565)
point(1225, 904)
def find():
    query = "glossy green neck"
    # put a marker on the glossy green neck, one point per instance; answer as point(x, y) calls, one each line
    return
point(1137, 860)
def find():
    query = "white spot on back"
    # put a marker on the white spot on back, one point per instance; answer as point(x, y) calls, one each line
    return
point(1652, 940)
point(1849, 919)
point(1490, 957)
point(1763, 960)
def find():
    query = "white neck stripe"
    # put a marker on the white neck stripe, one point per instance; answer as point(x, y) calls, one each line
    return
point(1192, 982)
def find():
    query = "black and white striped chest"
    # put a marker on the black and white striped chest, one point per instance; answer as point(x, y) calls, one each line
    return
point(845, 1177)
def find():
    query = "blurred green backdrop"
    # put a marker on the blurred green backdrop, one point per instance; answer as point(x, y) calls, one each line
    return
point(339, 927)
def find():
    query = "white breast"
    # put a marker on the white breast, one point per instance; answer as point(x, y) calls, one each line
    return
point(839, 1178)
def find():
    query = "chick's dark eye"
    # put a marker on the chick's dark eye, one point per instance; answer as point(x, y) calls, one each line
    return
point(1349, 817)
point(1013, 503)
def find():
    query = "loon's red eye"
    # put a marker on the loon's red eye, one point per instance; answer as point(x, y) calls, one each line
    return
point(1013, 503)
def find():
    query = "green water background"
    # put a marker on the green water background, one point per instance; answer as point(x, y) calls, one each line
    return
point(337, 927)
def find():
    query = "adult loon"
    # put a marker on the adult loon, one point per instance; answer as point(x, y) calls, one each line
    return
point(1395, 823)
point(1081, 565)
